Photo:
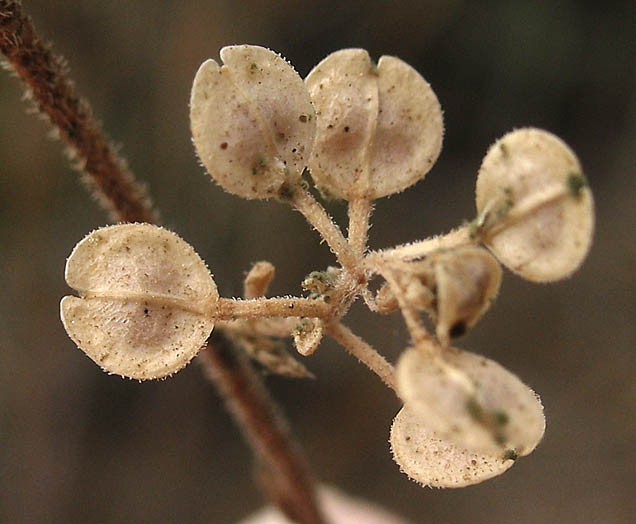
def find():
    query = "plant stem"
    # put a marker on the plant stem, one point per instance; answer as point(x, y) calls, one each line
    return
point(363, 352)
point(283, 472)
point(359, 214)
point(410, 314)
point(455, 238)
point(316, 215)
point(54, 93)
point(55, 96)
point(230, 309)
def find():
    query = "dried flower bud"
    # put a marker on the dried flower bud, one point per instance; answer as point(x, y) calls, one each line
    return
point(385, 300)
point(252, 121)
point(432, 461)
point(144, 296)
point(258, 280)
point(308, 335)
point(379, 127)
point(467, 280)
point(272, 355)
point(535, 211)
point(470, 400)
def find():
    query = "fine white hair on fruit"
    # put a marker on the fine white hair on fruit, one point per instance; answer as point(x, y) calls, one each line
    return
point(379, 129)
point(143, 298)
point(252, 121)
point(535, 205)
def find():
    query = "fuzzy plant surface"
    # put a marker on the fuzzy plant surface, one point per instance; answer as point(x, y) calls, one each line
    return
point(358, 131)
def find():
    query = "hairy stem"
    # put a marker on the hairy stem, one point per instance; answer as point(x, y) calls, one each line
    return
point(363, 352)
point(316, 215)
point(359, 214)
point(281, 463)
point(455, 238)
point(55, 96)
point(280, 466)
point(230, 309)
point(411, 316)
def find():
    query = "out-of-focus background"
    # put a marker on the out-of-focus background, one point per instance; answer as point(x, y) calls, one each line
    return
point(77, 445)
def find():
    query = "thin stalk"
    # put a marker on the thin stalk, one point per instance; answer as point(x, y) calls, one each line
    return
point(281, 469)
point(316, 215)
point(455, 238)
point(363, 352)
point(359, 214)
point(54, 94)
point(230, 309)
point(411, 316)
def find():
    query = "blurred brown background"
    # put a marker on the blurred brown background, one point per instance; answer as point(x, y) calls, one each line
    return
point(79, 446)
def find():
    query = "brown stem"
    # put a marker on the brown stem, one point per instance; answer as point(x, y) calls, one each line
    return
point(55, 96)
point(281, 470)
point(281, 465)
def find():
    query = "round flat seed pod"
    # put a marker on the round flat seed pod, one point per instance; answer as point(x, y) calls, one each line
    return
point(435, 462)
point(470, 400)
point(379, 127)
point(536, 207)
point(145, 297)
point(252, 121)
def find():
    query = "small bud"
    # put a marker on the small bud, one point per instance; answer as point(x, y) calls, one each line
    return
point(258, 280)
point(385, 300)
point(379, 128)
point(308, 335)
point(470, 400)
point(252, 122)
point(535, 211)
point(272, 355)
point(144, 293)
point(433, 461)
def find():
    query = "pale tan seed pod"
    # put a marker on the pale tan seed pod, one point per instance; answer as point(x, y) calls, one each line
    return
point(432, 461)
point(467, 281)
point(470, 400)
point(252, 121)
point(145, 297)
point(379, 127)
point(535, 210)
point(308, 335)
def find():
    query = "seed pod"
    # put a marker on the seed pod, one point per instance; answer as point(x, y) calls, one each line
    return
point(308, 335)
point(379, 127)
point(432, 461)
point(535, 211)
point(467, 280)
point(454, 286)
point(252, 121)
point(145, 297)
point(470, 400)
